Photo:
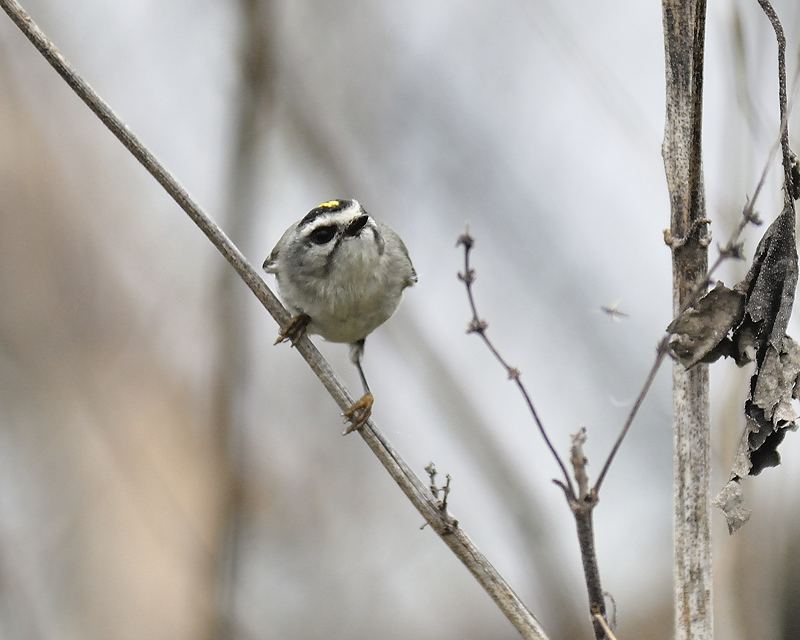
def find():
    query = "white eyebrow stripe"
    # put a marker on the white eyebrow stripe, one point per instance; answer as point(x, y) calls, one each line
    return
point(345, 208)
point(338, 218)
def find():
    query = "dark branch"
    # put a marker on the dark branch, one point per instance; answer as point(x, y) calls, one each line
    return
point(788, 157)
point(582, 507)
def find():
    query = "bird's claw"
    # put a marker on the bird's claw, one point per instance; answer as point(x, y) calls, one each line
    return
point(294, 329)
point(358, 413)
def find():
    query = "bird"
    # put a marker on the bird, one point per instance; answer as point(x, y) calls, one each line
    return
point(341, 273)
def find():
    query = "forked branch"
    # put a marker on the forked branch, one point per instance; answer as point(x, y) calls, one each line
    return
point(582, 502)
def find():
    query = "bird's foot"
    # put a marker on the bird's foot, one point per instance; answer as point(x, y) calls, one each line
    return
point(294, 330)
point(358, 413)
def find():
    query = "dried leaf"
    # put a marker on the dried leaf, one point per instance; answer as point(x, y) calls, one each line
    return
point(769, 411)
point(749, 323)
point(700, 331)
point(731, 501)
point(771, 281)
point(776, 382)
point(769, 286)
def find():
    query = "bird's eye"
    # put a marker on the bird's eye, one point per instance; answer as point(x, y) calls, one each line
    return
point(323, 235)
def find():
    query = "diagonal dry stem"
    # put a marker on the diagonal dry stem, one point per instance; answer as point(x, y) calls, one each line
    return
point(419, 495)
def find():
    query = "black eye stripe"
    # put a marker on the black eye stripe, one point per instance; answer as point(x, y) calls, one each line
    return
point(323, 235)
point(356, 225)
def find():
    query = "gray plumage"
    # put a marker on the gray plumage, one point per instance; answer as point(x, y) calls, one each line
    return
point(343, 269)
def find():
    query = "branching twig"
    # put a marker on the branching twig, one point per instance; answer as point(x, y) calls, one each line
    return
point(480, 567)
point(581, 504)
point(436, 490)
point(479, 326)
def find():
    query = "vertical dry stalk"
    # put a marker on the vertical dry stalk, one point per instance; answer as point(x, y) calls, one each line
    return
point(684, 33)
point(254, 106)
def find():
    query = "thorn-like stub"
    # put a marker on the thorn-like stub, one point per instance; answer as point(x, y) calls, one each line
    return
point(467, 277)
point(466, 240)
point(752, 216)
point(705, 239)
point(697, 227)
point(734, 250)
point(477, 326)
point(451, 526)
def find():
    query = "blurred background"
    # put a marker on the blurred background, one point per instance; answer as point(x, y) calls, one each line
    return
point(165, 472)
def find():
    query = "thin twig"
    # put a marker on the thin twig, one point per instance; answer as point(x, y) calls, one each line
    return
point(782, 99)
point(661, 352)
point(436, 490)
point(732, 249)
point(606, 629)
point(579, 463)
point(479, 326)
point(582, 507)
point(480, 567)
point(445, 491)
point(431, 471)
point(581, 504)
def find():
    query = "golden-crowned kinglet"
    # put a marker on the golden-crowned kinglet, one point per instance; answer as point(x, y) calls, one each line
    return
point(342, 273)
